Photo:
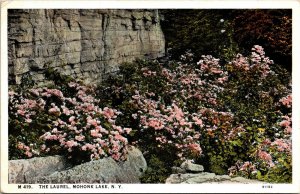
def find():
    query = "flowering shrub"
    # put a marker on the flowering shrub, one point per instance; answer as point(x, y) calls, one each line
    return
point(74, 125)
point(172, 127)
point(230, 108)
point(272, 156)
point(232, 118)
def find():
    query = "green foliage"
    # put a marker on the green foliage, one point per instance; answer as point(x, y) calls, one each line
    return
point(253, 98)
point(157, 171)
point(201, 31)
point(26, 81)
point(282, 173)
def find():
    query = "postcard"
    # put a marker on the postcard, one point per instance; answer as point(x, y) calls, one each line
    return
point(150, 96)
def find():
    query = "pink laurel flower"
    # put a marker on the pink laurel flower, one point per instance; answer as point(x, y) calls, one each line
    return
point(198, 121)
point(288, 130)
point(92, 121)
point(94, 133)
point(54, 111)
point(71, 143)
point(108, 112)
point(285, 123)
point(121, 138)
point(28, 120)
point(282, 145)
point(155, 123)
point(265, 157)
point(29, 154)
point(79, 137)
point(21, 112)
point(286, 101)
point(71, 119)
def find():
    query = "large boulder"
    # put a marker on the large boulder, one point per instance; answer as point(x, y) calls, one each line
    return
point(105, 170)
point(21, 171)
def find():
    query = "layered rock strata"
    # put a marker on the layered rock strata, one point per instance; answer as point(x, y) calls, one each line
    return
point(87, 43)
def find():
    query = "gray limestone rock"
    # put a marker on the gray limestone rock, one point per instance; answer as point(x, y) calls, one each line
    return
point(201, 178)
point(54, 170)
point(189, 166)
point(177, 170)
point(21, 171)
point(179, 178)
point(209, 178)
point(190, 178)
point(105, 170)
point(135, 162)
point(82, 37)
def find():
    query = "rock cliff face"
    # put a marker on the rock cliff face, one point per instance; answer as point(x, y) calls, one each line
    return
point(85, 43)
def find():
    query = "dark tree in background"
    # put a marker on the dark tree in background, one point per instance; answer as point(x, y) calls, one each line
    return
point(271, 29)
point(224, 32)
